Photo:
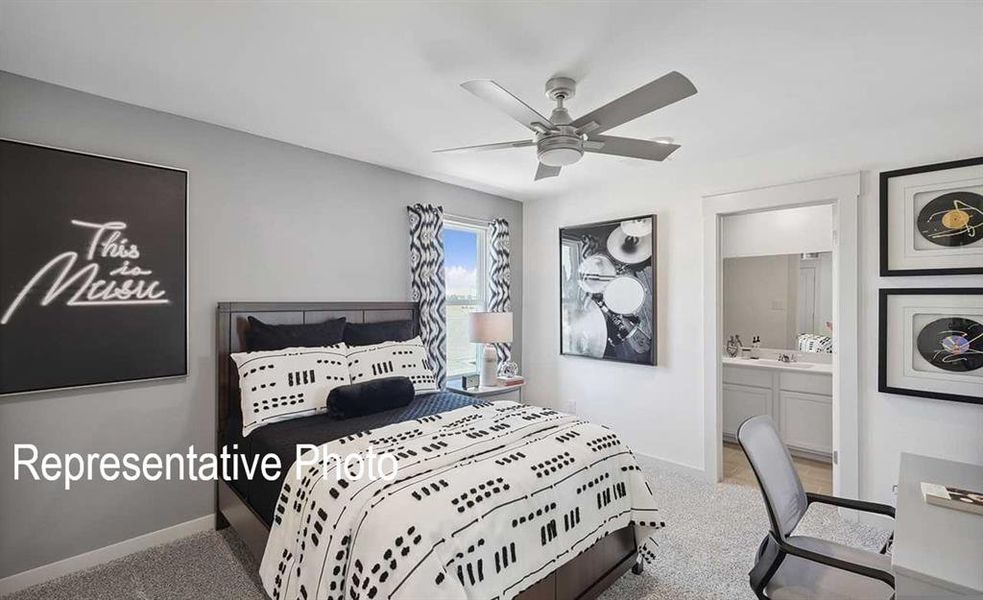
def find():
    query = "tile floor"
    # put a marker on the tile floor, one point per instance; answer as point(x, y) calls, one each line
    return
point(816, 476)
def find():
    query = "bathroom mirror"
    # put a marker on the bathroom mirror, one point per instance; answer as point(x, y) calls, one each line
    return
point(785, 299)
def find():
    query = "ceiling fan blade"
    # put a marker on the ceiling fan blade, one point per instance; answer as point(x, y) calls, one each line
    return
point(503, 100)
point(652, 96)
point(544, 171)
point(498, 146)
point(629, 147)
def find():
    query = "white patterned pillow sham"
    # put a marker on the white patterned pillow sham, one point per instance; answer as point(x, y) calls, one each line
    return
point(278, 385)
point(811, 342)
point(392, 359)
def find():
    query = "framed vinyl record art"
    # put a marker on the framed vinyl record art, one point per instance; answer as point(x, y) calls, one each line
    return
point(931, 343)
point(607, 290)
point(932, 219)
point(93, 269)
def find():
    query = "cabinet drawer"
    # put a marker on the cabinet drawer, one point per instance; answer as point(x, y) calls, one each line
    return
point(747, 376)
point(808, 383)
point(741, 402)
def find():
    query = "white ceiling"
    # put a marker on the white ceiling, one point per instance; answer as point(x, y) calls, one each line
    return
point(378, 81)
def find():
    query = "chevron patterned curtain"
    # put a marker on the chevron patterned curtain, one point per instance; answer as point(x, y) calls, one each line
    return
point(499, 277)
point(427, 282)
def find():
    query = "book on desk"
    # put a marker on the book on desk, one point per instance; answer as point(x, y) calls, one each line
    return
point(952, 497)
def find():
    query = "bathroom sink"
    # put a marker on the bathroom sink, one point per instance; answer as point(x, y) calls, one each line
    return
point(768, 362)
point(777, 363)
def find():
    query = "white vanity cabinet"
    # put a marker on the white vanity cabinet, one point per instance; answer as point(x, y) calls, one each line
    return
point(800, 403)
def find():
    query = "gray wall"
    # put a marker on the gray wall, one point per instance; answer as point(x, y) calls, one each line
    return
point(268, 221)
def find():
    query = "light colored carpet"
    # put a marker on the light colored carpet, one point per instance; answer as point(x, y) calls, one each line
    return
point(705, 552)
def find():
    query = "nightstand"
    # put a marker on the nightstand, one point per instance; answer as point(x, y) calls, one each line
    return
point(491, 393)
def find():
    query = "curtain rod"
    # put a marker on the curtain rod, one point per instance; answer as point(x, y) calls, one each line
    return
point(464, 219)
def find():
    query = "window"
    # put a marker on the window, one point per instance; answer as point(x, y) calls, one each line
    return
point(465, 277)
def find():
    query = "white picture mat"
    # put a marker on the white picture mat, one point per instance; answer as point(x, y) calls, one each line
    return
point(906, 197)
point(905, 366)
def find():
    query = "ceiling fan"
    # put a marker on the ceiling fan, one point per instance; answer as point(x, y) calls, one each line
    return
point(561, 140)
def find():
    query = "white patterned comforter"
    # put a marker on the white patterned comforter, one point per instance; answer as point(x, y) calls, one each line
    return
point(489, 499)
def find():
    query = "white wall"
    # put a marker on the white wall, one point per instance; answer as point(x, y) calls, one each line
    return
point(659, 410)
point(787, 231)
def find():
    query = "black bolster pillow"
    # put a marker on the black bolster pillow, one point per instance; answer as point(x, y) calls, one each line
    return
point(368, 397)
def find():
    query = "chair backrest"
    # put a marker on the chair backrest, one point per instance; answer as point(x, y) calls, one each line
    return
point(784, 497)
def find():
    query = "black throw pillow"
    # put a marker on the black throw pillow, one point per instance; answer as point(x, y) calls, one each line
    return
point(368, 397)
point(364, 334)
point(263, 336)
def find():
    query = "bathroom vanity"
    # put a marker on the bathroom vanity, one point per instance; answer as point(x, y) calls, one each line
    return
point(798, 396)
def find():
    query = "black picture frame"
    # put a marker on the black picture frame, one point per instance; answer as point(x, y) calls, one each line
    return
point(652, 359)
point(885, 177)
point(882, 317)
point(110, 305)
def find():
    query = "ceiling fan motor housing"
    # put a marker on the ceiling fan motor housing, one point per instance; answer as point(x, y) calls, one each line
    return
point(560, 148)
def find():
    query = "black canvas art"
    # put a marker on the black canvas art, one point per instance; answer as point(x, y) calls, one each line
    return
point(607, 290)
point(93, 269)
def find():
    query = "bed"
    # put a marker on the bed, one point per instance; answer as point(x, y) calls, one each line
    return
point(249, 506)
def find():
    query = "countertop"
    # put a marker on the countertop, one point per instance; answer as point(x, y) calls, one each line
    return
point(768, 363)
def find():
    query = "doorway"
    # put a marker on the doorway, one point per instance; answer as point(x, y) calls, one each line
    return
point(840, 194)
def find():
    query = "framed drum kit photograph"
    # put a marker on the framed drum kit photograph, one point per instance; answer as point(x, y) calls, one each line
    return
point(931, 339)
point(607, 290)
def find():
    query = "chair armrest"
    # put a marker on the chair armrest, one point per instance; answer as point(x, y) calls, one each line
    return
point(836, 563)
point(870, 507)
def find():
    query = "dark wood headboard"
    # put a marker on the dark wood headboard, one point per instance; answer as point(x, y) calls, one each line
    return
point(233, 322)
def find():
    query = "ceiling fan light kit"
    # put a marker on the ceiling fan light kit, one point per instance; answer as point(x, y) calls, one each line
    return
point(562, 141)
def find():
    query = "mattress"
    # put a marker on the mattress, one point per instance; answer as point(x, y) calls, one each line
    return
point(282, 438)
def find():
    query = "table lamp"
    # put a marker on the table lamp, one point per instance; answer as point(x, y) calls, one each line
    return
point(490, 328)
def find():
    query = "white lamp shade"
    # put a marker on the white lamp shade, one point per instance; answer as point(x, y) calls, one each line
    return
point(491, 327)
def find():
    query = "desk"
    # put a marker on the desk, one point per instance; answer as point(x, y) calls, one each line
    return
point(938, 552)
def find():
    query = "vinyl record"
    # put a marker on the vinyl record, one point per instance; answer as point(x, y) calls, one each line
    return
point(953, 219)
point(952, 344)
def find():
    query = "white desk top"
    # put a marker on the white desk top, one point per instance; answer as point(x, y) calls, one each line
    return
point(932, 544)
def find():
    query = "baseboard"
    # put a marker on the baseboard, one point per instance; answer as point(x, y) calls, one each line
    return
point(93, 558)
point(670, 465)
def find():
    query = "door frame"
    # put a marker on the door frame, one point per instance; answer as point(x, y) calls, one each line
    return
point(842, 192)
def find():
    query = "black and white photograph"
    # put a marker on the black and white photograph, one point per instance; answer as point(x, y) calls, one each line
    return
point(931, 343)
point(607, 290)
point(932, 219)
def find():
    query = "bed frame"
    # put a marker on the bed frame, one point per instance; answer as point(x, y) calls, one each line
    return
point(584, 577)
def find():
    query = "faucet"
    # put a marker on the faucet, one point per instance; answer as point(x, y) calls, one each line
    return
point(787, 357)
